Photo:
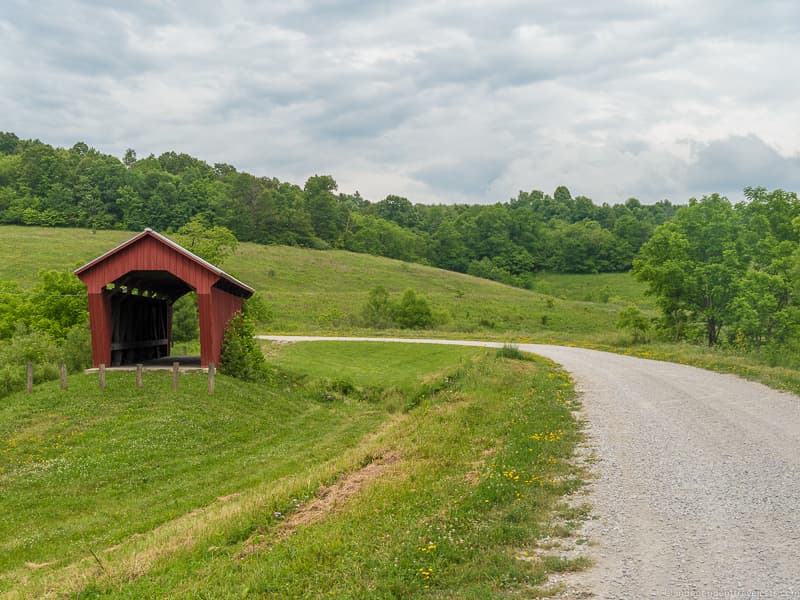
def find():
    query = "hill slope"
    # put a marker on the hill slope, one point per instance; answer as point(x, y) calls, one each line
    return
point(296, 488)
point(320, 291)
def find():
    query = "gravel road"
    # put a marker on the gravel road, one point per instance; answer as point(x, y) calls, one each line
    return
point(698, 481)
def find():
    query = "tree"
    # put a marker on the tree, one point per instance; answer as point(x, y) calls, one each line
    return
point(377, 236)
point(397, 209)
point(8, 142)
point(57, 303)
point(562, 194)
point(692, 265)
point(213, 244)
point(91, 210)
point(130, 158)
point(447, 248)
point(586, 247)
point(323, 207)
point(633, 231)
point(133, 209)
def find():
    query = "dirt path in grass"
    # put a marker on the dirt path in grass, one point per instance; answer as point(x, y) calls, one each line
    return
point(327, 500)
point(698, 481)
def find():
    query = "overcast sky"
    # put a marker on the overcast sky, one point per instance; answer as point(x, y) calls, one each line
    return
point(439, 101)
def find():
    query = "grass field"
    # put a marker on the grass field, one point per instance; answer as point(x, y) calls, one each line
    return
point(269, 490)
point(323, 291)
point(386, 367)
point(615, 288)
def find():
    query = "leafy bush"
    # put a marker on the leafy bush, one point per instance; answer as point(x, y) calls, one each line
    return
point(634, 321)
point(241, 355)
point(77, 348)
point(58, 303)
point(12, 308)
point(378, 311)
point(38, 348)
point(412, 311)
point(12, 379)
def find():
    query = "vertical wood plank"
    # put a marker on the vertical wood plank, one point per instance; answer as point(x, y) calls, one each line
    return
point(29, 380)
point(175, 374)
point(212, 373)
point(102, 374)
point(63, 376)
point(139, 375)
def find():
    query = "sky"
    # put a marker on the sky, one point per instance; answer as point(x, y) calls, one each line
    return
point(435, 100)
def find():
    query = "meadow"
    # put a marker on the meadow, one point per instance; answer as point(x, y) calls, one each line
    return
point(315, 291)
point(303, 487)
point(323, 291)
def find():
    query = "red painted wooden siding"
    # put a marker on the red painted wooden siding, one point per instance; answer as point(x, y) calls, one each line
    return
point(216, 306)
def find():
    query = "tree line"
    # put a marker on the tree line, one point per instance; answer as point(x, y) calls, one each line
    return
point(506, 241)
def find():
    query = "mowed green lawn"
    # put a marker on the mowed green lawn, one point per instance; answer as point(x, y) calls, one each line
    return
point(324, 291)
point(86, 469)
point(387, 365)
point(130, 493)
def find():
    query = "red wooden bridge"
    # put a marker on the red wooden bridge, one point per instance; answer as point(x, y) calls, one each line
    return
point(131, 292)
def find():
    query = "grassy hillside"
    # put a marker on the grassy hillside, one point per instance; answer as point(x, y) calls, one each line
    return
point(124, 461)
point(283, 490)
point(323, 291)
point(616, 288)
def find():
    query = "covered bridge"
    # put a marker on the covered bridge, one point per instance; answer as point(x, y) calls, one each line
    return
point(131, 291)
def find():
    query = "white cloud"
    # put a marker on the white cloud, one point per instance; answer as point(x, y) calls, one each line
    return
point(440, 101)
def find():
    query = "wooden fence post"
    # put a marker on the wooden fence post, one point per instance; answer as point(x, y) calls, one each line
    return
point(29, 383)
point(138, 375)
point(102, 373)
point(175, 371)
point(63, 376)
point(212, 372)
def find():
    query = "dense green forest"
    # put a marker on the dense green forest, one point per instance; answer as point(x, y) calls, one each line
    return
point(508, 241)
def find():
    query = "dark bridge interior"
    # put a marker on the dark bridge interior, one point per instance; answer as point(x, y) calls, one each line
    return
point(141, 315)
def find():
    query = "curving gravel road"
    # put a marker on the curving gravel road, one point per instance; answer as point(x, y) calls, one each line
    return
point(698, 484)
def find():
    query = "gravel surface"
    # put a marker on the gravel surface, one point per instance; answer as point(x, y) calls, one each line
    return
point(697, 492)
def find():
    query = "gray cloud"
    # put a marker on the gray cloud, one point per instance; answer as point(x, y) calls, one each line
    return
point(439, 101)
point(731, 164)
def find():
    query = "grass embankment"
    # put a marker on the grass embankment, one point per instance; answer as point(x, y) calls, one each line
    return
point(278, 490)
point(386, 366)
